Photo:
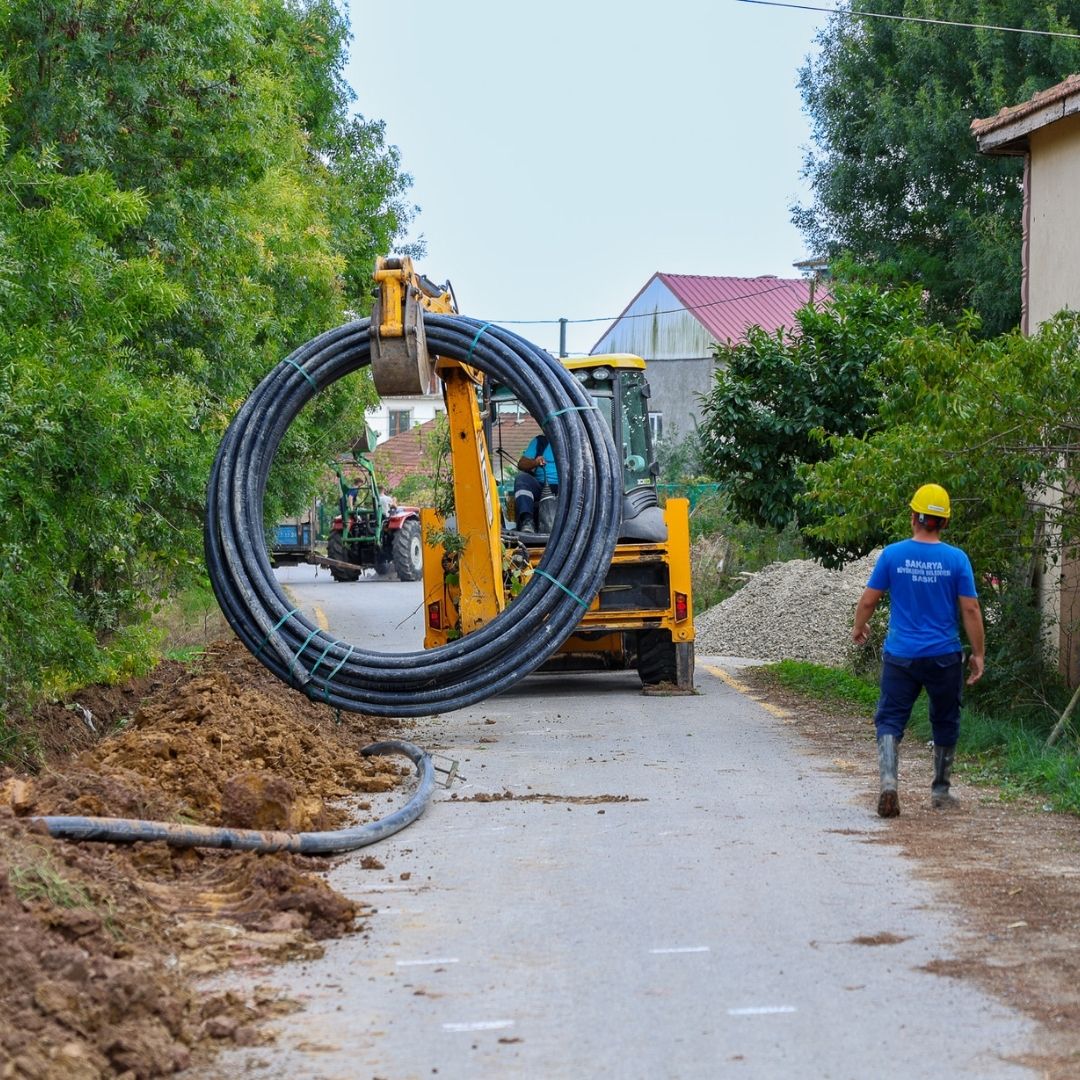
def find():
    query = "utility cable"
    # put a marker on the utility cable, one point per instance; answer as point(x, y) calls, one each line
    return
point(479, 664)
point(851, 13)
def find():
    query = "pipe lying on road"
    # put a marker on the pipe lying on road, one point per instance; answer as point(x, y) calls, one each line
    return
point(482, 663)
point(129, 830)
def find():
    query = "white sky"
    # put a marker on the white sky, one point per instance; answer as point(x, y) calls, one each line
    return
point(562, 152)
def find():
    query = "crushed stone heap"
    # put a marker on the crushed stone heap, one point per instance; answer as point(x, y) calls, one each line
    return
point(794, 610)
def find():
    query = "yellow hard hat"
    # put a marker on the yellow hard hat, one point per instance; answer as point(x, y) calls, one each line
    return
point(931, 499)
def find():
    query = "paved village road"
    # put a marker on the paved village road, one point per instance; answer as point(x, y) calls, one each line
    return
point(693, 898)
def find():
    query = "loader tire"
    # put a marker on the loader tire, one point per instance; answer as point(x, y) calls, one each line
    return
point(336, 550)
point(656, 657)
point(409, 551)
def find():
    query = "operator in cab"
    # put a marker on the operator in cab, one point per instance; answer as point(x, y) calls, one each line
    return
point(536, 466)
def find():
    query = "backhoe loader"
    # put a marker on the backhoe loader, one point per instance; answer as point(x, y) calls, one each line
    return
point(642, 617)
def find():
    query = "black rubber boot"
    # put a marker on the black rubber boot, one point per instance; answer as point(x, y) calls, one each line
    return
point(888, 749)
point(940, 799)
point(525, 523)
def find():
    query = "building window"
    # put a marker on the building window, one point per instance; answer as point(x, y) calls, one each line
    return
point(400, 420)
point(656, 426)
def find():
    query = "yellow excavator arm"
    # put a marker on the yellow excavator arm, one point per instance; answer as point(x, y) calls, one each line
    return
point(401, 364)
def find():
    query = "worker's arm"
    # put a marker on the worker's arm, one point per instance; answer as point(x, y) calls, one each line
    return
point(971, 616)
point(867, 605)
point(530, 463)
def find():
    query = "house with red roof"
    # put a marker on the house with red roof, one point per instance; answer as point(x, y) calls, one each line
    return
point(675, 321)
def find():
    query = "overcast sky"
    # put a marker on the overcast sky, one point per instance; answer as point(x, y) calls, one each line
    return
point(562, 152)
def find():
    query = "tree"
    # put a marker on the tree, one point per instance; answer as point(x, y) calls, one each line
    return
point(776, 398)
point(185, 197)
point(896, 178)
point(997, 422)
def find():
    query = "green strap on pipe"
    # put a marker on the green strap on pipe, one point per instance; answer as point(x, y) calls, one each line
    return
point(569, 592)
point(274, 629)
point(289, 360)
point(570, 408)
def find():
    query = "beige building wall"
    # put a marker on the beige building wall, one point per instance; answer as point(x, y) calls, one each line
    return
point(1054, 266)
point(1053, 284)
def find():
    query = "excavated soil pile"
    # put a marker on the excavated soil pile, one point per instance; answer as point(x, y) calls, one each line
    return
point(101, 942)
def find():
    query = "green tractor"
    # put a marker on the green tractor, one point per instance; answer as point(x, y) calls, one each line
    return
point(372, 532)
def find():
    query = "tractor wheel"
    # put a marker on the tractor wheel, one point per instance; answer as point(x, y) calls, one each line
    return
point(409, 551)
point(656, 657)
point(336, 550)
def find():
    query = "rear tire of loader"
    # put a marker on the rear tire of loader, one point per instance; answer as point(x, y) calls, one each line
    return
point(656, 657)
point(409, 551)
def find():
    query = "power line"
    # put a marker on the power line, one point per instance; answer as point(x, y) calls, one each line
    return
point(851, 13)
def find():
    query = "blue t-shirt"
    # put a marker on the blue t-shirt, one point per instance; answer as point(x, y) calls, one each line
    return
point(549, 463)
point(924, 582)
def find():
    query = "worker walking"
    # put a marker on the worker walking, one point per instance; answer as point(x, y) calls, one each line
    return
point(536, 467)
point(928, 582)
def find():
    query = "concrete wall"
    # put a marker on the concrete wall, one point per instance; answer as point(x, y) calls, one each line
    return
point(1054, 260)
point(676, 348)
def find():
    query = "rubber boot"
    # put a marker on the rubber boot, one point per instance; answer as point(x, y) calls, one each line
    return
point(888, 765)
point(940, 799)
point(525, 523)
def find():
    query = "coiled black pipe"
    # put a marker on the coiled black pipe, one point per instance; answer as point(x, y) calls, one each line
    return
point(482, 663)
point(130, 830)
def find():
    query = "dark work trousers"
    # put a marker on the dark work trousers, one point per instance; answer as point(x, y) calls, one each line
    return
point(901, 681)
point(526, 491)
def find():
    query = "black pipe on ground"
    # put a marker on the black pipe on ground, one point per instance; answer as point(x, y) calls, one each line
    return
point(130, 830)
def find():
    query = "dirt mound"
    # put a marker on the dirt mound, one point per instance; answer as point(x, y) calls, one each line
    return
point(101, 941)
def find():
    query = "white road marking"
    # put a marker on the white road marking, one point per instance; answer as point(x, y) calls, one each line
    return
point(681, 949)
point(437, 961)
point(762, 1010)
point(479, 1025)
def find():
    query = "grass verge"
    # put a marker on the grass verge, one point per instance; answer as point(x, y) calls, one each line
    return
point(994, 750)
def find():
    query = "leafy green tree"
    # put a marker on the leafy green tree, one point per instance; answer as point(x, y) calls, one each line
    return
point(185, 196)
point(996, 422)
point(993, 420)
point(776, 397)
point(896, 176)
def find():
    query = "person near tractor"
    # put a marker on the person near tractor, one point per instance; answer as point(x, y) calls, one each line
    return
point(929, 584)
point(536, 467)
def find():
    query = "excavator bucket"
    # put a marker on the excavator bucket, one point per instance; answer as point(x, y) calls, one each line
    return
point(400, 362)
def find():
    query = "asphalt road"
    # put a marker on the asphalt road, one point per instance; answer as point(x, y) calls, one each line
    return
point(694, 899)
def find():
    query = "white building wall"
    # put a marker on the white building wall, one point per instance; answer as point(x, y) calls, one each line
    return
point(422, 408)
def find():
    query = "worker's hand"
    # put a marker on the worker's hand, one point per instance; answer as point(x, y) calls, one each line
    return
point(539, 462)
point(976, 666)
point(860, 634)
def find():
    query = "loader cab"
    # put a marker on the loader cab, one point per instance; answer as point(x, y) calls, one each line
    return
point(618, 387)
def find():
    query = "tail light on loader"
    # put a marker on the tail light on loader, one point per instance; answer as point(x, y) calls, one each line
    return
point(682, 607)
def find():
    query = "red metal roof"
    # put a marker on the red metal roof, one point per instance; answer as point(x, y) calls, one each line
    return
point(728, 306)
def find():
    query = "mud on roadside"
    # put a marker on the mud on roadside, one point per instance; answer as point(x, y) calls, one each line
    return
point(1009, 869)
point(103, 942)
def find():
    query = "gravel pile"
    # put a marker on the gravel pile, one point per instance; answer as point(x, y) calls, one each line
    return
point(793, 610)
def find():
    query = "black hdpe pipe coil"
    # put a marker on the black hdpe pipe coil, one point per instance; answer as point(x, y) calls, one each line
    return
point(129, 830)
point(480, 664)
